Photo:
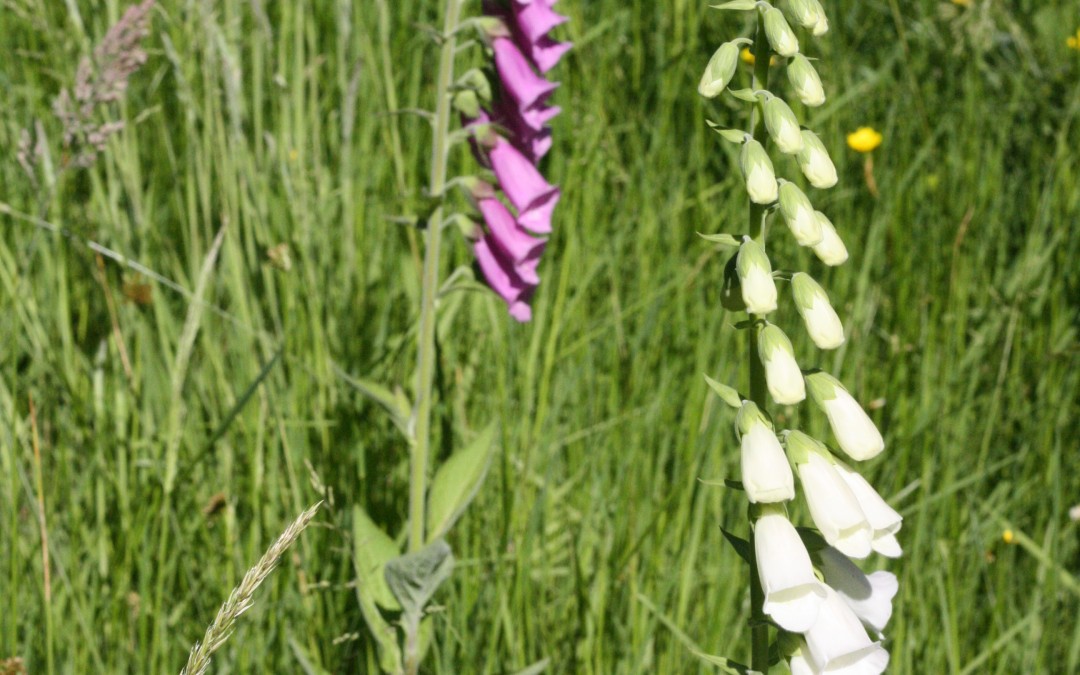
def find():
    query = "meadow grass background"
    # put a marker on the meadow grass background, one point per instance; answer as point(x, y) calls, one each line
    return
point(594, 543)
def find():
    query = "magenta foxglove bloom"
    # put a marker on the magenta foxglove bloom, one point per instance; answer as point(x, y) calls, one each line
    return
point(519, 81)
point(529, 192)
point(501, 275)
point(510, 237)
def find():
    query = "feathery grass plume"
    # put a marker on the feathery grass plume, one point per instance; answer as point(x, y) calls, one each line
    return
point(821, 628)
point(102, 80)
point(243, 596)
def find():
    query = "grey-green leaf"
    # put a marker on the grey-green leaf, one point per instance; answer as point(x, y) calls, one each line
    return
point(723, 239)
point(414, 577)
point(727, 394)
point(741, 546)
point(372, 548)
point(736, 4)
point(457, 481)
point(747, 95)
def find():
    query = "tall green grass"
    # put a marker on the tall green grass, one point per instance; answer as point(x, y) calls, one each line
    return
point(594, 542)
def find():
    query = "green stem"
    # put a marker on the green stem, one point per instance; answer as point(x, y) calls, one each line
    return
point(759, 627)
point(425, 365)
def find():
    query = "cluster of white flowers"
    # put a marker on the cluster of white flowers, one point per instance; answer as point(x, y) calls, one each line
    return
point(831, 613)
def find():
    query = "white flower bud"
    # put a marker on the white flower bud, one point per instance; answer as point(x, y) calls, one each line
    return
point(855, 432)
point(793, 594)
point(815, 162)
point(830, 250)
point(822, 26)
point(757, 170)
point(782, 372)
point(803, 13)
point(838, 643)
point(755, 278)
point(869, 596)
point(781, 37)
point(883, 518)
point(783, 126)
point(820, 318)
point(805, 81)
point(833, 506)
point(798, 213)
point(720, 70)
point(766, 474)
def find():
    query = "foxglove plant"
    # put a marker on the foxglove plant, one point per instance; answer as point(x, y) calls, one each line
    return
point(504, 109)
point(803, 580)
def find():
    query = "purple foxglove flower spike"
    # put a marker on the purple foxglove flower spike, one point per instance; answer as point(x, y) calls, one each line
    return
point(519, 81)
point(532, 196)
point(510, 237)
point(536, 19)
point(501, 276)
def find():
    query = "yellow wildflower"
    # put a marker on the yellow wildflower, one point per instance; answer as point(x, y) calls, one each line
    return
point(962, 3)
point(1073, 41)
point(864, 139)
point(1007, 536)
point(747, 56)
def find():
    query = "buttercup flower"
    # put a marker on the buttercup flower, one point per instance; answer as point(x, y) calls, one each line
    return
point(854, 431)
point(1073, 41)
point(782, 373)
point(793, 595)
point(869, 596)
point(755, 278)
point(766, 474)
point(864, 139)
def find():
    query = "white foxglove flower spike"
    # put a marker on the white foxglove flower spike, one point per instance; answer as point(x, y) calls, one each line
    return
point(815, 163)
point(805, 81)
point(782, 373)
point(755, 278)
point(781, 38)
point(793, 594)
point(833, 505)
point(838, 643)
point(883, 518)
point(782, 125)
point(766, 474)
point(868, 595)
point(821, 321)
point(798, 213)
point(757, 171)
point(830, 250)
point(855, 432)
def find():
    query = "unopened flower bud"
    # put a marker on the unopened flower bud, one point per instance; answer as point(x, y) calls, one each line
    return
point(854, 430)
point(766, 474)
point(783, 126)
point(781, 38)
point(821, 320)
point(782, 372)
point(755, 278)
point(815, 162)
point(805, 13)
point(757, 170)
point(805, 81)
point(822, 25)
point(720, 70)
point(830, 250)
point(798, 213)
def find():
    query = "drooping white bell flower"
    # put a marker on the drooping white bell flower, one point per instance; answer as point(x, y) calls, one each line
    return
point(883, 518)
point(803, 13)
point(755, 278)
point(854, 430)
point(782, 125)
point(822, 25)
point(766, 473)
point(838, 643)
point(757, 170)
point(721, 68)
point(805, 81)
point(830, 250)
point(868, 595)
point(798, 214)
point(833, 505)
point(793, 594)
point(781, 38)
point(815, 163)
point(782, 373)
point(818, 314)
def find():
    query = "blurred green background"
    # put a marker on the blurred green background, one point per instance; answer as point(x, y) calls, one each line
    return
point(594, 541)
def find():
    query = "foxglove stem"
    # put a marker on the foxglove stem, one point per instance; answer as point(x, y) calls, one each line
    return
point(759, 627)
point(425, 363)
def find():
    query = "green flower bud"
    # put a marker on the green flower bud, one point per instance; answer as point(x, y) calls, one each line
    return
point(822, 25)
point(815, 162)
point(818, 314)
point(721, 69)
point(781, 38)
point(755, 278)
point(830, 250)
point(799, 215)
point(783, 126)
point(805, 81)
point(757, 170)
point(805, 13)
point(782, 372)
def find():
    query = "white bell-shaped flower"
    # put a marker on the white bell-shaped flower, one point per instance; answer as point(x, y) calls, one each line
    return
point(799, 215)
point(883, 518)
point(838, 643)
point(854, 430)
point(830, 250)
point(805, 81)
point(757, 170)
point(793, 594)
point(782, 125)
point(782, 373)
point(868, 595)
point(815, 163)
point(818, 314)
point(781, 38)
point(755, 278)
point(766, 473)
point(721, 68)
point(833, 506)
point(805, 13)
point(822, 25)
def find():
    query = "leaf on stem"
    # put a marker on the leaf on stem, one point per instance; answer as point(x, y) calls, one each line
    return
point(736, 5)
point(727, 394)
point(457, 481)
